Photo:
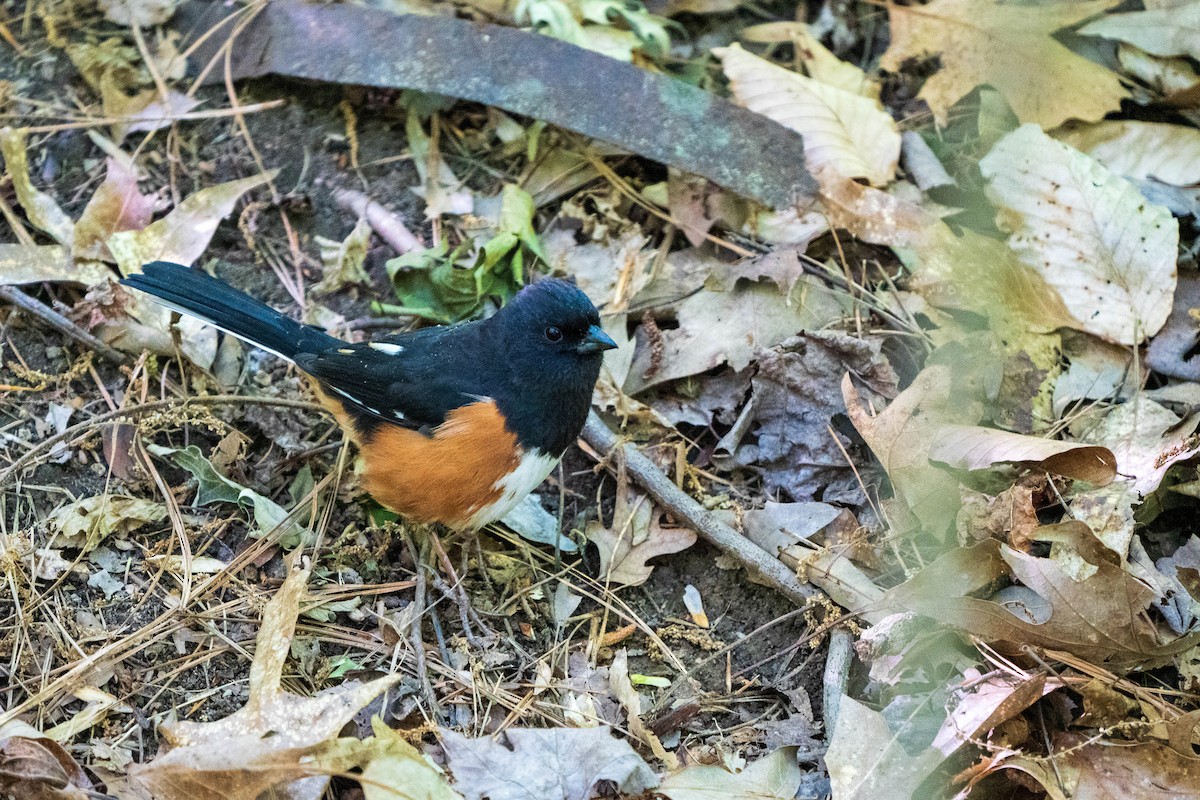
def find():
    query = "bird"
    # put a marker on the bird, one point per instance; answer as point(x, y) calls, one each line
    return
point(455, 424)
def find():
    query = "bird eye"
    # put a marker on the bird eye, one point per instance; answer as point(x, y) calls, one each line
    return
point(553, 334)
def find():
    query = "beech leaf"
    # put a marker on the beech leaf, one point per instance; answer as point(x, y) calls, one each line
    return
point(1090, 233)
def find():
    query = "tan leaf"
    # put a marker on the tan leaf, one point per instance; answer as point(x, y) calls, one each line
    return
point(1089, 770)
point(818, 61)
point(182, 235)
point(1091, 234)
point(1165, 75)
point(1145, 437)
point(1140, 150)
point(972, 447)
point(635, 537)
point(867, 761)
point(988, 703)
point(900, 437)
point(1100, 618)
point(41, 209)
point(269, 742)
point(774, 777)
point(32, 263)
point(343, 261)
point(1160, 31)
point(840, 128)
point(117, 205)
point(89, 520)
point(1010, 47)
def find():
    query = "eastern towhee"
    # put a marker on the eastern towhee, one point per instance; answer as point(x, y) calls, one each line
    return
point(457, 423)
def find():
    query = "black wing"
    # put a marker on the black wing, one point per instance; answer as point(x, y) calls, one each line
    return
point(412, 379)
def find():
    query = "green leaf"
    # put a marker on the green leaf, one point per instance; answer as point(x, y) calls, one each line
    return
point(213, 487)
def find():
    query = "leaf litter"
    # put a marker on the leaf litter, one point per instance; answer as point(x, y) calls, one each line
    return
point(965, 414)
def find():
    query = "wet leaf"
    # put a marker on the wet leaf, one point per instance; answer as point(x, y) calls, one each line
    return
point(841, 129)
point(1108, 252)
point(544, 764)
point(1009, 47)
point(773, 777)
point(88, 521)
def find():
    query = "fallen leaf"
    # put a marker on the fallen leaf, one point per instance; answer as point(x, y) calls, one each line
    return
point(47, 263)
point(635, 536)
point(1173, 31)
point(866, 761)
point(1140, 150)
point(88, 521)
point(842, 129)
point(213, 487)
point(41, 209)
point(796, 393)
point(1087, 770)
point(1145, 437)
point(774, 777)
point(1100, 618)
point(626, 694)
point(817, 60)
point(142, 13)
point(343, 261)
point(986, 704)
point(1166, 76)
point(533, 523)
point(33, 767)
point(183, 234)
point(1009, 47)
point(900, 437)
point(396, 770)
point(147, 110)
point(544, 764)
point(270, 742)
point(1091, 234)
point(971, 447)
point(116, 205)
point(729, 327)
point(1172, 351)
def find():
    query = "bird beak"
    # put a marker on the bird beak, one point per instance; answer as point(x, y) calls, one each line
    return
point(596, 341)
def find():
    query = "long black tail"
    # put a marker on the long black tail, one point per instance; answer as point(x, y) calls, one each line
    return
point(191, 291)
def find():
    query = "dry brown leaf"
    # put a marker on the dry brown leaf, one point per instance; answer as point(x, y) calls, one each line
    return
point(117, 205)
point(972, 447)
point(635, 536)
point(1010, 47)
point(89, 520)
point(21, 264)
point(988, 703)
point(1101, 618)
point(268, 742)
point(183, 234)
point(33, 767)
point(900, 437)
point(1145, 437)
point(1096, 770)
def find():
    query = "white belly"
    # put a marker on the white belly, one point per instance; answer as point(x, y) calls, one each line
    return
point(533, 468)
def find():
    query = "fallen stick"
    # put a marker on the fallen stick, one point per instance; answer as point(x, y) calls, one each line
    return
point(58, 322)
point(770, 570)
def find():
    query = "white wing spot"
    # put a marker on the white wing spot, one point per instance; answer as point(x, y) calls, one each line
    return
point(388, 349)
point(398, 414)
point(346, 351)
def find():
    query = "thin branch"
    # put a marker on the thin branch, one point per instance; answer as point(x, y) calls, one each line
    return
point(771, 570)
point(58, 322)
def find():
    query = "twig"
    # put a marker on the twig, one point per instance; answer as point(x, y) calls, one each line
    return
point(837, 676)
point(58, 322)
point(771, 570)
point(387, 225)
point(415, 638)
